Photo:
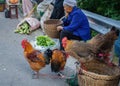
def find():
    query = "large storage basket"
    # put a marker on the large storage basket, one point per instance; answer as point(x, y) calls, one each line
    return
point(98, 74)
point(50, 27)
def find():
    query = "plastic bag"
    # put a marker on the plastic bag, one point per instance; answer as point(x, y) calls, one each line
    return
point(33, 22)
point(42, 48)
point(43, 6)
point(46, 16)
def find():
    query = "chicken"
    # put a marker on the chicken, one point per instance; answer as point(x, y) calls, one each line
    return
point(35, 58)
point(100, 44)
point(108, 40)
point(58, 60)
point(80, 50)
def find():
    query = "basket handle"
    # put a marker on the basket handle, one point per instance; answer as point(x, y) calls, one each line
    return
point(62, 18)
point(59, 24)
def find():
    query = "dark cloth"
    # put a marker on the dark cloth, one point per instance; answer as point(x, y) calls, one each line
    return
point(58, 10)
point(38, 1)
point(69, 35)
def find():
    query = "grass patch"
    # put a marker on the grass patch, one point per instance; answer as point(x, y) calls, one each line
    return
point(94, 33)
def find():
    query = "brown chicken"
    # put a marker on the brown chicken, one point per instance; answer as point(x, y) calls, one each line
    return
point(58, 60)
point(80, 50)
point(35, 58)
point(106, 43)
point(109, 40)
point(85, 51)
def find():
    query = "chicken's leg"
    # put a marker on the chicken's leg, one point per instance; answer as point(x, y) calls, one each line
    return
point(35, 75)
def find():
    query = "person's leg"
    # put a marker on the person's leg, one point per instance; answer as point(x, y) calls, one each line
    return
point(69, 35)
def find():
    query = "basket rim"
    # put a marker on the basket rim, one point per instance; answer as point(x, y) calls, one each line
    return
point(99, 76)
point(58, 22)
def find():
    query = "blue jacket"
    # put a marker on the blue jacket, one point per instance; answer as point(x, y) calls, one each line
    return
point(77, 23)
point(117, 47)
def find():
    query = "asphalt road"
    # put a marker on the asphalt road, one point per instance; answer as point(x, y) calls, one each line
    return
point(14, 69)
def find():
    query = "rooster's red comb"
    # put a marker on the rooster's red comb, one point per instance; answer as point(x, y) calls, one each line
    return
point(64, 39)
point(23, 41)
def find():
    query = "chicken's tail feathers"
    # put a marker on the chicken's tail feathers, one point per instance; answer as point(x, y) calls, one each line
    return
point(55, 66)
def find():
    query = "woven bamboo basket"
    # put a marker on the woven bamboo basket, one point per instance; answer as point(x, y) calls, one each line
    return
point(50, 27)
point(98, 74)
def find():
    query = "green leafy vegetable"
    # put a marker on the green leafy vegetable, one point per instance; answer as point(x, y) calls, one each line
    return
point(44, 41)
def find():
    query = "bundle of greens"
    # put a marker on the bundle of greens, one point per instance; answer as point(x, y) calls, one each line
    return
point(44, 41)
point(24, 28)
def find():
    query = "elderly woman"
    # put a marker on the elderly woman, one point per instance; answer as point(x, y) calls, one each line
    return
point(75, 24)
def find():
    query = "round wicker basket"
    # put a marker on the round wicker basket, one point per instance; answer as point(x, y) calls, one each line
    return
point(50, 27)
point(98, 74)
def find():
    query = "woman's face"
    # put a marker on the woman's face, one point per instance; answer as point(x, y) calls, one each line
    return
point(67, 8)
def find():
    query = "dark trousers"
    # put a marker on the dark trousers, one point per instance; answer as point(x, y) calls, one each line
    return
point(69, 35)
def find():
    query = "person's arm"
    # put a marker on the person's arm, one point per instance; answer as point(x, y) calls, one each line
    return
point(65, 21)
point(75, 23)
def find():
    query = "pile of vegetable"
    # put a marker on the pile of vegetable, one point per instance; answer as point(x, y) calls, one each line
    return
point(44, 41)
point(24, 28)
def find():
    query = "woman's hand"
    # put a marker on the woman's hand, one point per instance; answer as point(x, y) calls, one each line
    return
point(59, 28)
point(66, 14)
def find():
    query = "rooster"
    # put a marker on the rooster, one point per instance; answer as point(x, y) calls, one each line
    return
point(35, 58)
point(101, 45)
point(58, 60)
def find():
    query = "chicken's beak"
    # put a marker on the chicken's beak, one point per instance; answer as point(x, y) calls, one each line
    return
point(64, 45)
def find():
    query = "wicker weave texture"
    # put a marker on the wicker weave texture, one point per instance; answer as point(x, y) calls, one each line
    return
point(88, 81)
point(99, 74)
point(50, 28)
